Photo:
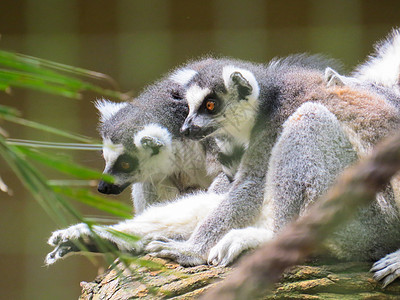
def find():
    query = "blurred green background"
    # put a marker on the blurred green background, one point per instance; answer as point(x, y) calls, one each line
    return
point(135, 42)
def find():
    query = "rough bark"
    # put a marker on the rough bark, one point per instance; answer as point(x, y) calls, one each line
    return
point(317, 280)
point(173, 281)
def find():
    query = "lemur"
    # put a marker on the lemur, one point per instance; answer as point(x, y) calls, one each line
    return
point(143, 147)
point(142, 144)
point(300, 130)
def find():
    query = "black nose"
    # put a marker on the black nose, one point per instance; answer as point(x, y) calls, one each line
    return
point(108, 188)
point(185, 130)
point(192, 131)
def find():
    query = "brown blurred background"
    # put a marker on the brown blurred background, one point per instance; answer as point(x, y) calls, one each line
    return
point(135, 42)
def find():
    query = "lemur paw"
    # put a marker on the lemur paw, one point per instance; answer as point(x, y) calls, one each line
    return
point(235, 242)
point(63, 241)
point(225, 251)
point(71, 233)
point(183, 253)
point(61, 251)
point(387, 269)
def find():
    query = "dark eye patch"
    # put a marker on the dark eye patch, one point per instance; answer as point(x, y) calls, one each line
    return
point(125, 164)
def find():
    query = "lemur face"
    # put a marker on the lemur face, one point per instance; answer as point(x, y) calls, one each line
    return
point(146, 154)
point(225, 104)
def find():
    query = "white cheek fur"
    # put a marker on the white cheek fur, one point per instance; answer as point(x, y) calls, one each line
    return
point(111, 151)
point(195, 96)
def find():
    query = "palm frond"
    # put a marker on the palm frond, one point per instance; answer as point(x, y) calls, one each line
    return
point(29, 72)
point(22, 71)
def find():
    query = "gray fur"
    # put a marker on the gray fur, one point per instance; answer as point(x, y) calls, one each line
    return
point(192, 167)
point(380, 73)
point(303, 133)
point(297, 129)
point(194, 163)
point(151, 125)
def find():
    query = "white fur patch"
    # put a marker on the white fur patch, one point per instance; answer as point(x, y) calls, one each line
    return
point(153, 166)
point(111, 152)
point(239, 117)
point(179, 217)
point(227, 71)
point(384, 66)
point(195, 96)
point(108, 108)
point(235, 242)
point(183, 76)
point(156, 131)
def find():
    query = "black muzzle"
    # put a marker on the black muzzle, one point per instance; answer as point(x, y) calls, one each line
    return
point(109, 188)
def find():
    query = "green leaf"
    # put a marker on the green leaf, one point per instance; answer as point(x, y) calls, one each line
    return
point(86, 197)
point(34, 73)
point(45, 128)
point(22, 71)
point(8, 111)
point(36, 184)
point(42, 66)
point(54, 145)
point(51, 84)
point(64, 166)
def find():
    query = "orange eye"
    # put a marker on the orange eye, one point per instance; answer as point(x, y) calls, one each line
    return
point(210, 105)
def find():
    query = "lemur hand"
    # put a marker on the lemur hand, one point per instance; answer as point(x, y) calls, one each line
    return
point(65, 241)
point(387, 269)
point(183, 252)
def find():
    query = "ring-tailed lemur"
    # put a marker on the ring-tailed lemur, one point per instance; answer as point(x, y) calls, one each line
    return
point(143, 146)
point(300, 132)
point(316, 119)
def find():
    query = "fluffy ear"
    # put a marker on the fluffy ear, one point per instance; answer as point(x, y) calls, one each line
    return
point(243, 86)
point(153, 137)
point(242, 80)
point(333, 78)
point(152, 143)
point(107, 108)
